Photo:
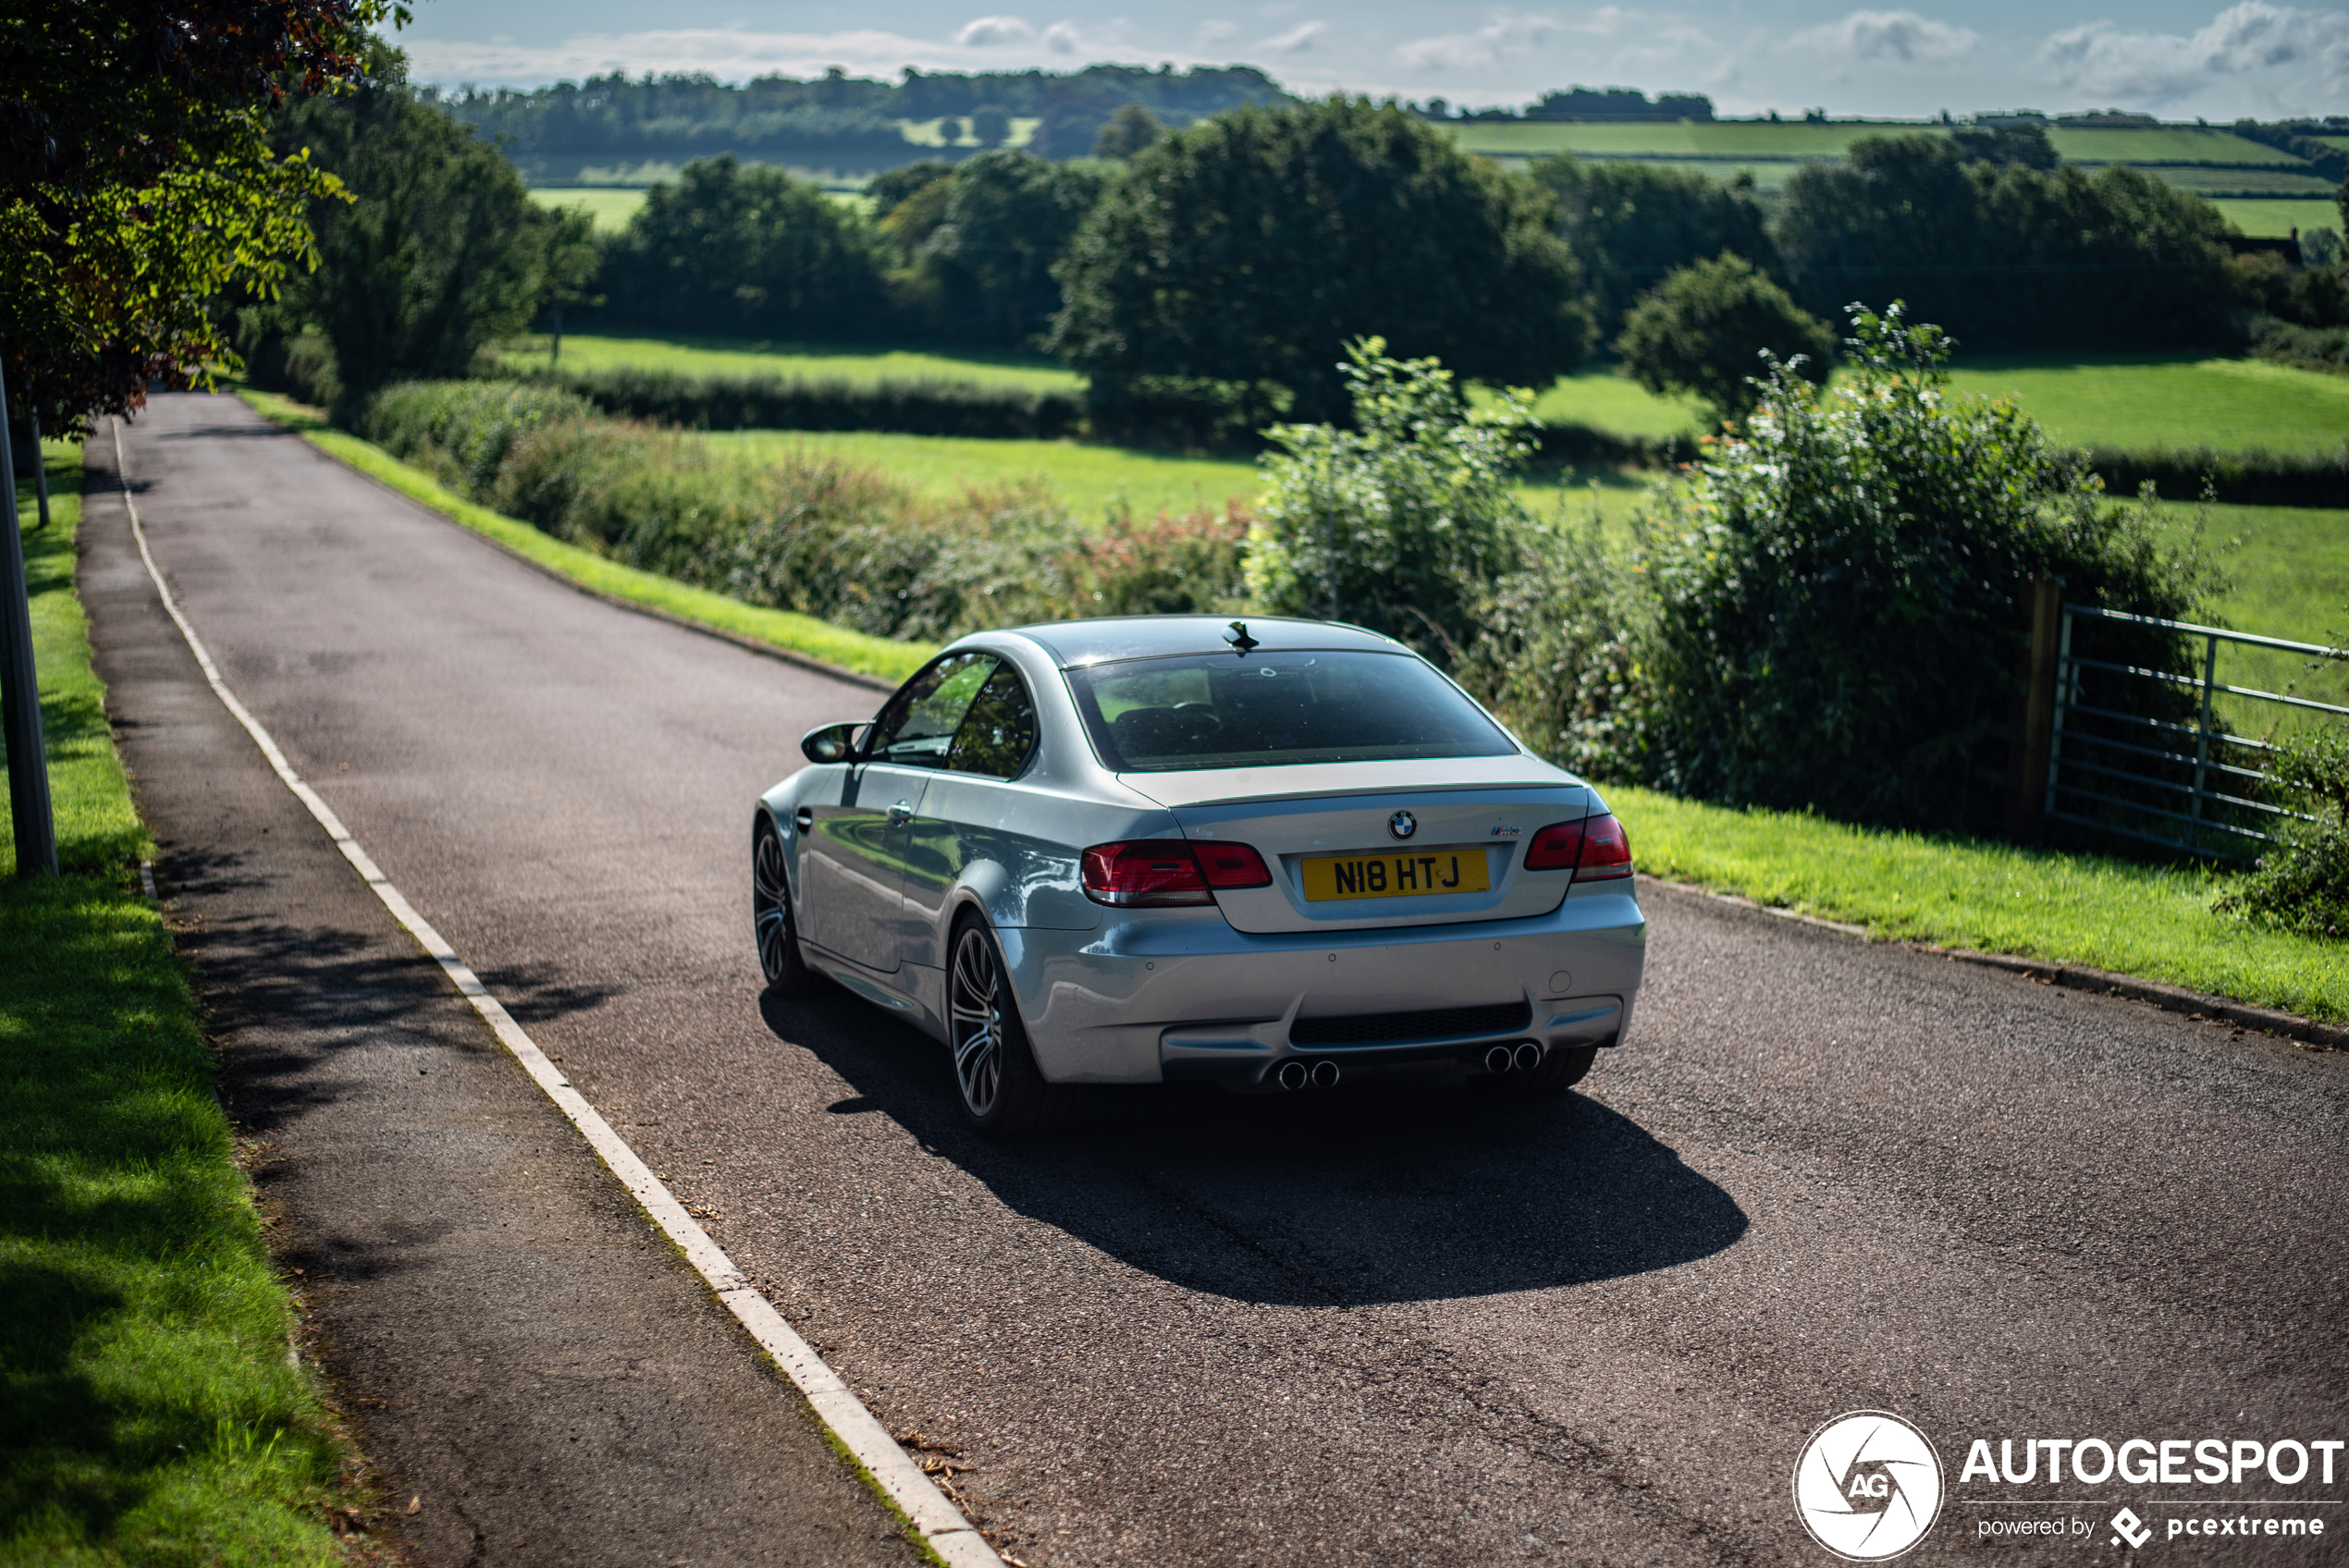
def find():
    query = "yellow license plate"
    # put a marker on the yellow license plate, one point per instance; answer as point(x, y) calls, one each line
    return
point(1397, 876)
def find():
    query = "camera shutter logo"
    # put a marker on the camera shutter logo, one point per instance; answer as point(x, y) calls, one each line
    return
point(1868, 1485)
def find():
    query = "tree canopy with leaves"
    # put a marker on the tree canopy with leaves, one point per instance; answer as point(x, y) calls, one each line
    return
point(1251, 247)
point(137, 181)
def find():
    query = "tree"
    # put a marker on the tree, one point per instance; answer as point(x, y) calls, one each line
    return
point(439, 251)
point(1250, 248)
point(986, 267)
point(136, 182)
point(991, 124)
point(1129, 130)
point(1631, 224)
point(2004, 254)
point(729, 248)
point(1400, 523)
point(1711, 329)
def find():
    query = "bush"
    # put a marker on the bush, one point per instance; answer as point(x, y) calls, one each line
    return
point(914, 408)
point(1708, 328)
point(2323, 349)
point(1835, 598)
point(2253, 478)
point(1401, 524)
point(811, 532)
point(2303, 884)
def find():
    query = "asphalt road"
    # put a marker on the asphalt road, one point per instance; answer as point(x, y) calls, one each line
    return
point(1352, 1328)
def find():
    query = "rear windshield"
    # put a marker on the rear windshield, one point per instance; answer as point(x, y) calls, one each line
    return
point(1219, 710)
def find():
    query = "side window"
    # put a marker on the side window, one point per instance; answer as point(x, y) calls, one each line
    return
point(919, 725)
point(998, 731)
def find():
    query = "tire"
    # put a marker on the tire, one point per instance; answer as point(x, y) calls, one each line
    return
point(1559, 1072)
point(1003, 1093)
point(773, 928)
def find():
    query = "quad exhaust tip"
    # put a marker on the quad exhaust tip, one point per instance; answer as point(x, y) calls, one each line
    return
point(1298, 1075)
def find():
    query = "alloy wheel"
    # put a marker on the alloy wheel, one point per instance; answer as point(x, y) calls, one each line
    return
point(975, 1004)
point(770, 906)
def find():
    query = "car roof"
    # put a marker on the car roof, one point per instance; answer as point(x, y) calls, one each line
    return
point(1161, 636)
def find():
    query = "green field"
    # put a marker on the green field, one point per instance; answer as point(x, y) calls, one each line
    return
point(733, 355)
point(931, 133)
point(2274, 219)
point(2154, 401)
point(611, 208)
point(1796, 140)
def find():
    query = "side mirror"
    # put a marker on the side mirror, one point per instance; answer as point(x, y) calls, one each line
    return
point(831, 742)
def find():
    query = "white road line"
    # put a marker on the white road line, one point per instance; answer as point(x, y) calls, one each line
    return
point(940, 1523)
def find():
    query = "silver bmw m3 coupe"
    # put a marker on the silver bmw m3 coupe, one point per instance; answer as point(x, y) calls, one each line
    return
point(1267, 853)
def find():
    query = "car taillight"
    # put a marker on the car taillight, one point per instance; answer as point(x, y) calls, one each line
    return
point(1606, 851)
point(1595, 849)
point(1232, 865)
point(1166, 871)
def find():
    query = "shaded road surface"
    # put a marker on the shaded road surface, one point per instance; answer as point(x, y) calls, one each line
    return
point(1355, 1328)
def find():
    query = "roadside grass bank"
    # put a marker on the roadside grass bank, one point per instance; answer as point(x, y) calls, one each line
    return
point(149, 1413)
point(783, 630)
point(2154, 920)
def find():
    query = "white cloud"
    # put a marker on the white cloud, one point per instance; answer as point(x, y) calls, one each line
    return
point(1213, 33)
point(989, 32)
point(1507, 33)
point(1297, 39)
point(2250, 38)
point(738, 53)
point(1891, 35)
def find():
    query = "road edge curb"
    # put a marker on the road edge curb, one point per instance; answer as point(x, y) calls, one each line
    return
point(936, 1524)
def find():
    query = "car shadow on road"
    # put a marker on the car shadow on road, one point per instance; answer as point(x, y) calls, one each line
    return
point(1404, 1189)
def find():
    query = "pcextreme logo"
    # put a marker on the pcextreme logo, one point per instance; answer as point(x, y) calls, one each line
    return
point(1867, 1485)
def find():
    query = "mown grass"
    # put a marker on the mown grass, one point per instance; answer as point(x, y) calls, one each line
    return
point(148, 1413)
point(611, 208)
point(2153, 921)
point(2112, 400)
point(778, 629)
point(2274, 218)
point(1092, 480)
point(812, 361)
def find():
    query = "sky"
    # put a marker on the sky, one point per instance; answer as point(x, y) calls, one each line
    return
point(2181, 59)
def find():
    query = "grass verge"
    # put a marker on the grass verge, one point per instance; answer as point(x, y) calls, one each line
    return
point(149, 1414)
point(781, 630)
point(2153, 921)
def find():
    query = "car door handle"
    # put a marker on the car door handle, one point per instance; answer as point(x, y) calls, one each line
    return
point(900, 814)
point(805, 820)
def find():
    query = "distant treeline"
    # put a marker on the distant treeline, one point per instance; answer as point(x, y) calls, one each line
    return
point(1206, 280)
point(835, 120)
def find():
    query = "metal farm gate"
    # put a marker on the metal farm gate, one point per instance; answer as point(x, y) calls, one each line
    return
point(2170, 759)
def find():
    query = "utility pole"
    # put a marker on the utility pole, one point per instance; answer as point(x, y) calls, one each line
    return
point(36, 830)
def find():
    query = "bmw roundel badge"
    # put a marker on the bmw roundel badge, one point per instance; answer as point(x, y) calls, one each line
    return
point(1402, 825)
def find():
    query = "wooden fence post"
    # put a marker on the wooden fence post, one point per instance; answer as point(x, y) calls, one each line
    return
point(2028, 763)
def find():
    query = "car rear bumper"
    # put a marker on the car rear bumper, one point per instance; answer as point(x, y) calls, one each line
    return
point(1169, 994)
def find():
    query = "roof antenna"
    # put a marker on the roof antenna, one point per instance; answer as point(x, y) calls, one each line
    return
point(1240, 639)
